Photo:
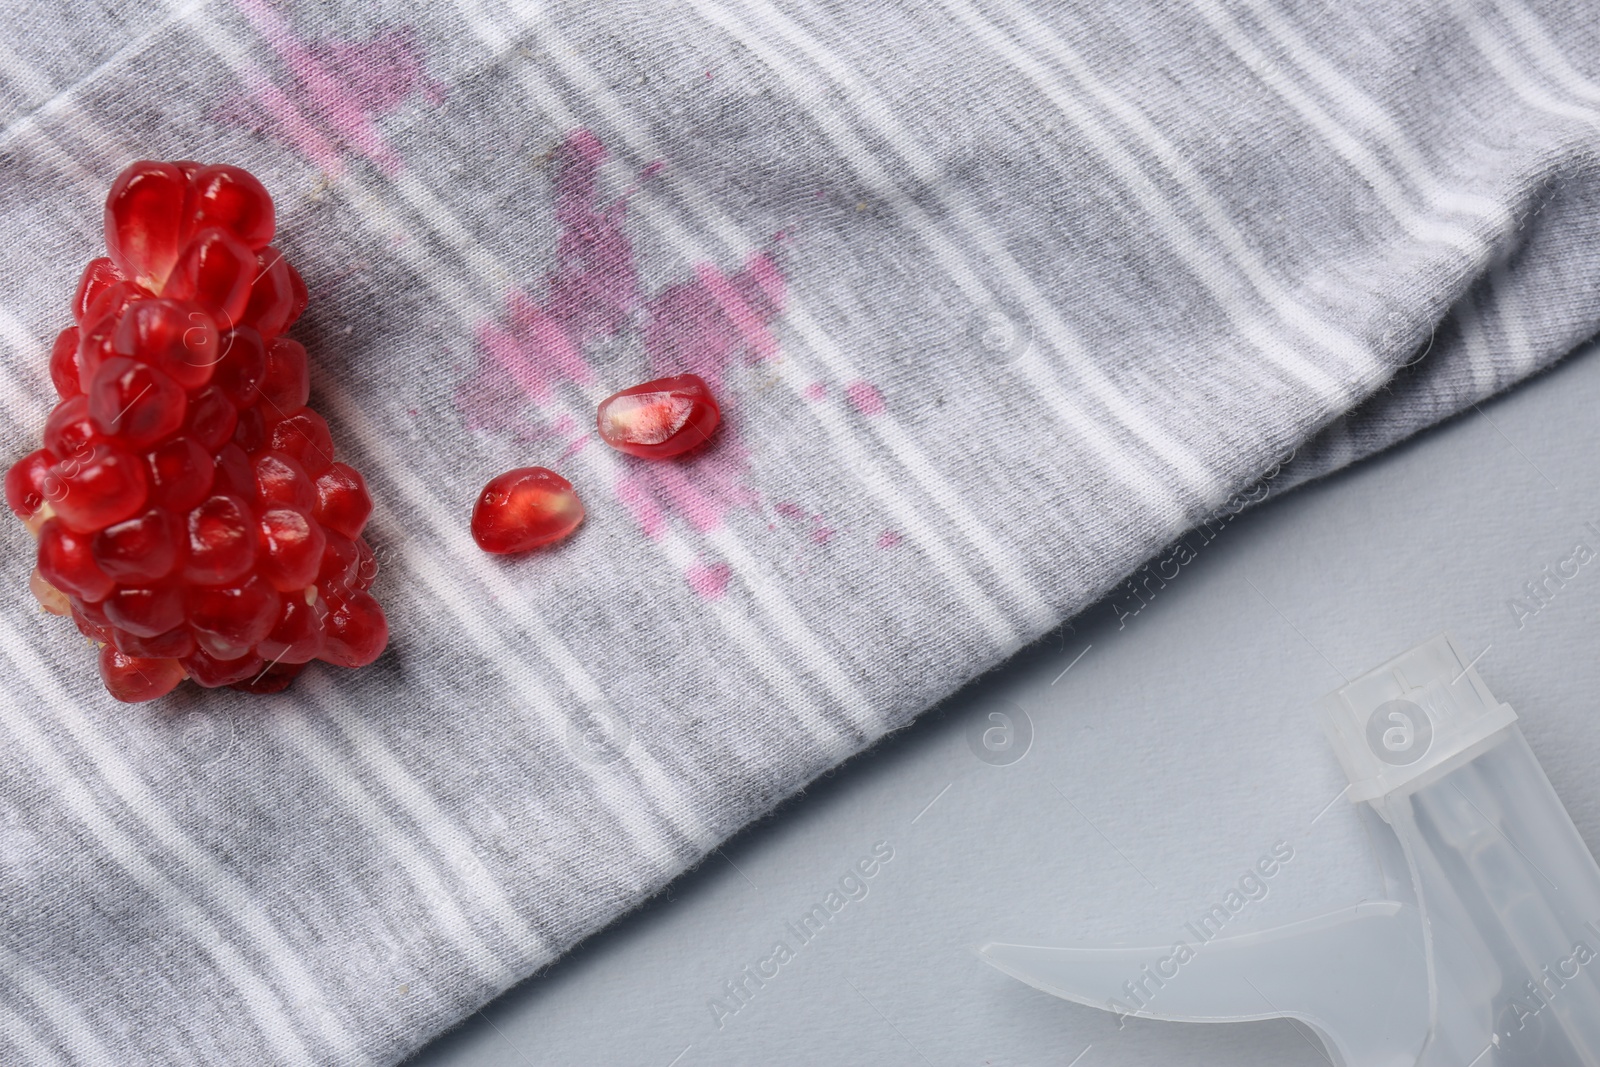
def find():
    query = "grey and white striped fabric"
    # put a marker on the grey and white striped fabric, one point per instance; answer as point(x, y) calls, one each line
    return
point(1001, 298)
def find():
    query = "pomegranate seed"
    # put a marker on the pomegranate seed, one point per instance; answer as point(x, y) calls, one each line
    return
point(66, 559)
point(525, 509)
point(250, 432)
point(133, 680)
point(291, 548)
point(287, 385)
point(140, 550)
point(366, 566)
point(227, 621)
point(92, 622)
point(280, 479)
point(208, 671)
point(135, 402)
point(181, 475)
point(243, 365)
point(64, 363)
point(49, 597)
point(232, 198)
point(178, 339)
point(106, 485)
point(212, 418)
point(274, 678)
point(69, 431)
point(26, 483)
point(100, 275)
point(341, 562)
point(343, 505)
point(660, 419)
point(297, 635)
point(234, 473)
point(222, 541)
point(145, 611)
point(356, 631)
point(216, 270)
point(174, 644)
point(272, 295)
point(144, 215)
point(304, 435)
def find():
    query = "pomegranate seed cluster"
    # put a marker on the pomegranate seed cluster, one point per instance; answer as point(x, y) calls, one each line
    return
point(189, 512)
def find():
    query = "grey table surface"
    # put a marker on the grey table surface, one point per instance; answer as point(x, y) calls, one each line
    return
point(1166, 751)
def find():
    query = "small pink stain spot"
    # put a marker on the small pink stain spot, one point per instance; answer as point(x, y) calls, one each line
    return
point(709, 580)
point(789, 509)
point(822, 535)
point(652, 169)
point(866, 398)
point(413, 412)
point(815, 391)
point(889, 539)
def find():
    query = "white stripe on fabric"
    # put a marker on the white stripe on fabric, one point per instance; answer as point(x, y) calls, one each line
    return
point(72, 1030)
point(417, 868)
point(441, 830)
point(260, 999)
point(1332, 391)
point(1538, 43)
point(958, 262)
point(1357, 156)
point(1359, 107)
point(999, 557)
point(34, 1052)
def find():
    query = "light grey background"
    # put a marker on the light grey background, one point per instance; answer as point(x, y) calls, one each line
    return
point(1175, 751)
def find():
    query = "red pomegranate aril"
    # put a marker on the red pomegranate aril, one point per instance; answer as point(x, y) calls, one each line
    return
point(140, 550)
point(66, 560)
point(280, 479)
point(250, 433)
point(291, 549)
point(232, 198)
point(340, 563)
point(234, 474)
point(212, 418)
point(287, 386)
point(170, 645)
point(100, 275)
point(222, 541)
point(296, 636)
point(366, 566)
point(216, 269)
point(135, 403)
point(304, 435)
point(210, 672)
point(525, 509)
point(64, 363)
point(227, 621)
point(356, 630)
point(106, 485)
point(272, 296)
point(133, 680)
point(660, 419)
point(181, 475)
point(273, 678)
point(144, 214)
point(343, 505)
point(177, 338)
point(244, 363)
point(27, 481)
point(145, 611)
point(69, 431)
